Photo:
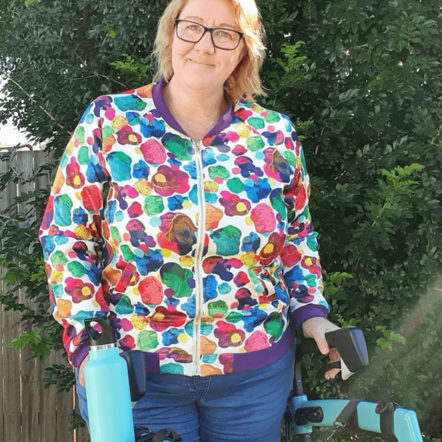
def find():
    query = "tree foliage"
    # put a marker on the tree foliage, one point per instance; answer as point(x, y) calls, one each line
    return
point(363, 81)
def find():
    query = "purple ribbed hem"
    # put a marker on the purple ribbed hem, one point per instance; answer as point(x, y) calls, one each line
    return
point(241, 361)
point(301, 314)
point(152, 362)
point(158, 99)
point(79, 354)
point(262, 358)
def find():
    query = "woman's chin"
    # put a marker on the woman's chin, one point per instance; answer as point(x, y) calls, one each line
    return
point(199, 82)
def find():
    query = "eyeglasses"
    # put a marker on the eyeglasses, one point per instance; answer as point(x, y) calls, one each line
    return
point(222, 38)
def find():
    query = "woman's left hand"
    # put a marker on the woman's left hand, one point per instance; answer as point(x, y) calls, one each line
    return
point(316, 328)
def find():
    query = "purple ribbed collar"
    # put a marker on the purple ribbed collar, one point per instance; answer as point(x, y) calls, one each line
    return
point(157, 94)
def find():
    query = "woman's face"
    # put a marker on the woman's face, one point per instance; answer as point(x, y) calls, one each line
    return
point(200, 65)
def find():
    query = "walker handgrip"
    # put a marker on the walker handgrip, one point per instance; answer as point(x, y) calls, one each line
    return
point(309, 346)
point(350, 343)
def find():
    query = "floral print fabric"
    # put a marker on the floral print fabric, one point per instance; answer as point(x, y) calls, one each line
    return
point(121, 234)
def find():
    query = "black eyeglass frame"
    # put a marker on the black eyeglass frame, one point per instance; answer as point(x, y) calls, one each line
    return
point(207, 29)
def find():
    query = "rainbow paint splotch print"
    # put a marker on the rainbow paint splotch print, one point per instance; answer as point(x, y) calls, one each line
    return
point(199, 251)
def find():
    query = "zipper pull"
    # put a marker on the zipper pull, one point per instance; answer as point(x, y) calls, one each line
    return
point(197, 145)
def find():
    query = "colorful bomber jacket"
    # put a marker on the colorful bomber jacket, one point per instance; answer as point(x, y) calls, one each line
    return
point(200, 252)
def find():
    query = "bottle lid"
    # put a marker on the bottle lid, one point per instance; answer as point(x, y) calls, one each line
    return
point(107, 336)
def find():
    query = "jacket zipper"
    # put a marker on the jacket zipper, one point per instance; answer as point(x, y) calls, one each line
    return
point(198, 260)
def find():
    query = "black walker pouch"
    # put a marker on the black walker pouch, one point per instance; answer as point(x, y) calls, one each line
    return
point(136, 365)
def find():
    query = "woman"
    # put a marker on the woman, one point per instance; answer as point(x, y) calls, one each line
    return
point(181, 207)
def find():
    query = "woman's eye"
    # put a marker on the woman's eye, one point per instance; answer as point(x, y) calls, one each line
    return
point(225, 34)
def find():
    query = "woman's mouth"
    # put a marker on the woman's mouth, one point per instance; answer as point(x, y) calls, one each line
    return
point(201, 64)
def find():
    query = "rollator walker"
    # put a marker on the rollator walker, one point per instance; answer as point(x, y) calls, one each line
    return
point(385, 418)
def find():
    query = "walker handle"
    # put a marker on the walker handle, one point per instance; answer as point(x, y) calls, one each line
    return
point(350, 343)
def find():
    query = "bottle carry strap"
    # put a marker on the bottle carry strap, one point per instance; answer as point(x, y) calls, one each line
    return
point(347, 416)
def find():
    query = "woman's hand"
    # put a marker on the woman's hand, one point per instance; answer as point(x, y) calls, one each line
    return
point(81, 371)
point(316, 328)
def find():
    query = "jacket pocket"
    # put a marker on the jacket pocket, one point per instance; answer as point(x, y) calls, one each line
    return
point(271, 270)
point(272, 273)
point(126, 276)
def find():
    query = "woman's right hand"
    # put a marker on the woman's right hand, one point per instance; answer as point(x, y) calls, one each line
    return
point(81, 372)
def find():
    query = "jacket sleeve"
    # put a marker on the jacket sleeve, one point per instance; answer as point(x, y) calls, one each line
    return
point(71, 236)
point(301, 264)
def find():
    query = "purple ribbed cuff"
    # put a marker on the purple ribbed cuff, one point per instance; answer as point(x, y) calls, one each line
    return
point(301, 314)
point(80, 354)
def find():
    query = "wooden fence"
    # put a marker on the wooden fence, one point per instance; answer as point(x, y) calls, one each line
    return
point(29, 412)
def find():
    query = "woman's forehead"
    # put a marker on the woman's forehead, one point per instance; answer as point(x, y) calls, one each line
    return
point(201, 20)
point(220, 12)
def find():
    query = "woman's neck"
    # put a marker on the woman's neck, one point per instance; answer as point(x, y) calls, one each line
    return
point(188, 105)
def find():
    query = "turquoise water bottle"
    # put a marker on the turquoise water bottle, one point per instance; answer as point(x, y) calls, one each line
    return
point(107, 386)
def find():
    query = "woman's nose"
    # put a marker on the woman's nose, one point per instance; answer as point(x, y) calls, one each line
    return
point(206, 43)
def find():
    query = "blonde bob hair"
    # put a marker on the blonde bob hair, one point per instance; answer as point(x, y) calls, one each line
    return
point(244, 82)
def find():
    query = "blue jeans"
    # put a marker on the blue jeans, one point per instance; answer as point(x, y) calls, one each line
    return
point(237, 407)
